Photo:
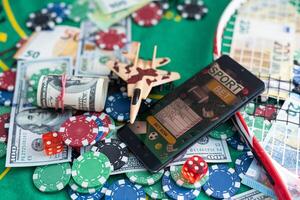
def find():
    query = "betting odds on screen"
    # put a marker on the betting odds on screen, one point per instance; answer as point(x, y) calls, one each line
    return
point(208, 98)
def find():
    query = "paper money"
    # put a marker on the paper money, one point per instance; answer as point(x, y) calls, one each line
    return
point(111, 6)
point(62, 41)
point(251, 195)
point(28, 123)
point(81, 93)
point(91, 59)
point(212, 150)
point(267, 55)
point(256, 178)
point(283, 141)
point(104, 21)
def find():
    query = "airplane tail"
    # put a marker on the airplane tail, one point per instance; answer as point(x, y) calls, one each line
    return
point(153, 63)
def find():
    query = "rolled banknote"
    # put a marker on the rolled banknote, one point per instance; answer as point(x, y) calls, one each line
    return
point(80, 93)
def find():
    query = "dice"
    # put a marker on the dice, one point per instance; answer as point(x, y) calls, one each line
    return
point(194, 169)
point(52, 143)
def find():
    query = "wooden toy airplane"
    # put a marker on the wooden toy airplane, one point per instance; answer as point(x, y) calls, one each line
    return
point(141, 75)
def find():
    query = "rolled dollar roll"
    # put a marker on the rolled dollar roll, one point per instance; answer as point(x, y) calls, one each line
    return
point(81, 93)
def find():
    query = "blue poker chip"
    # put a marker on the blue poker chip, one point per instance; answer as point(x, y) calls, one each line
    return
point(124, 188)
point(223, 182)
point(176, 192)
point(6, 98)
point(118, 106)
point(236, 142)
point(243, 162)
point(94, 196)
point(62, 10)
point(101, 127)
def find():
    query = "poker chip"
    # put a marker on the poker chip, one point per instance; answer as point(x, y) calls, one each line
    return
point(155, 191)
point(112, 39)
point(41, 20)
point(7, 80)
point(35, 78)
point(236, 143)
point(91, 169)
point(2, 149)
point(31, 96)
point(145, 177)
point(6, 98)
point(124, 188)
point(182, 182)
point(118, 106)
point(224, 131)
point(51, 178)
point(115, 150)
point(176, 192)
point(148, 15)
point(62, 10)
point(243, 162)
point(194, 10)
point(4, 125)
point(80, 196)
point(107, 124)
point(164, 4)
point(77, 188)
point(79, 11)
point(78, 131)
point(223, 182)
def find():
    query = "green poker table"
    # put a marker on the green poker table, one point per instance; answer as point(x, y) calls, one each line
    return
point(188, 43)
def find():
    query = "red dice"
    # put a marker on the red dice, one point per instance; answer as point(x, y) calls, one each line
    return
point(194, 169)
point(53, 143)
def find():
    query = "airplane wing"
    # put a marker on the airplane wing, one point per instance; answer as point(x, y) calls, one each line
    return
point(123, 70)
point(165, 77)
point(158, 62)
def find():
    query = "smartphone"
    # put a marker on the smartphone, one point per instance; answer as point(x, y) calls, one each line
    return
point(189, 112)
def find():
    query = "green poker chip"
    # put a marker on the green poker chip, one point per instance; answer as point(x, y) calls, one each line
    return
point(155, 191)
point(2, 149)
point(182, 182)
point(77, 188)
point(35, 78)
point(52, 178)
point(31, 96)
point(79, 11)
point(224, 131)
point(145, 177)
point(91, 169)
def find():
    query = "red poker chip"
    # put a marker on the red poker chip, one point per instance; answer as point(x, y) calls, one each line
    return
point(4, 125)
point(78, 131)
point(148, 15)
point(111, 39)
point(7, 80)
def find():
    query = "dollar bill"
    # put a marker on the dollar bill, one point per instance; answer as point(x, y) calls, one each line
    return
point(251, 195)
point(212, 150)
point(267, 55)
point(283, 141)
point(80, 93)
point(62, 41)
point(111, 6)
point(28, 123)
point(91, 59)
point(104, 21)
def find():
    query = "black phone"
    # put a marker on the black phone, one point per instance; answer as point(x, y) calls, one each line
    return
point(203, 102)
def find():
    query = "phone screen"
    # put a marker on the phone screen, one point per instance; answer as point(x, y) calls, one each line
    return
point(202, 102)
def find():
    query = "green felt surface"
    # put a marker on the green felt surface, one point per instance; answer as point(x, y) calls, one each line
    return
point(188, 43)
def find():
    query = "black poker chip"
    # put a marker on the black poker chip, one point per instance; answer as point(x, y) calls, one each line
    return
point(164, 4)
point(41, 20)
point(115, 150)
point(192, 9)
